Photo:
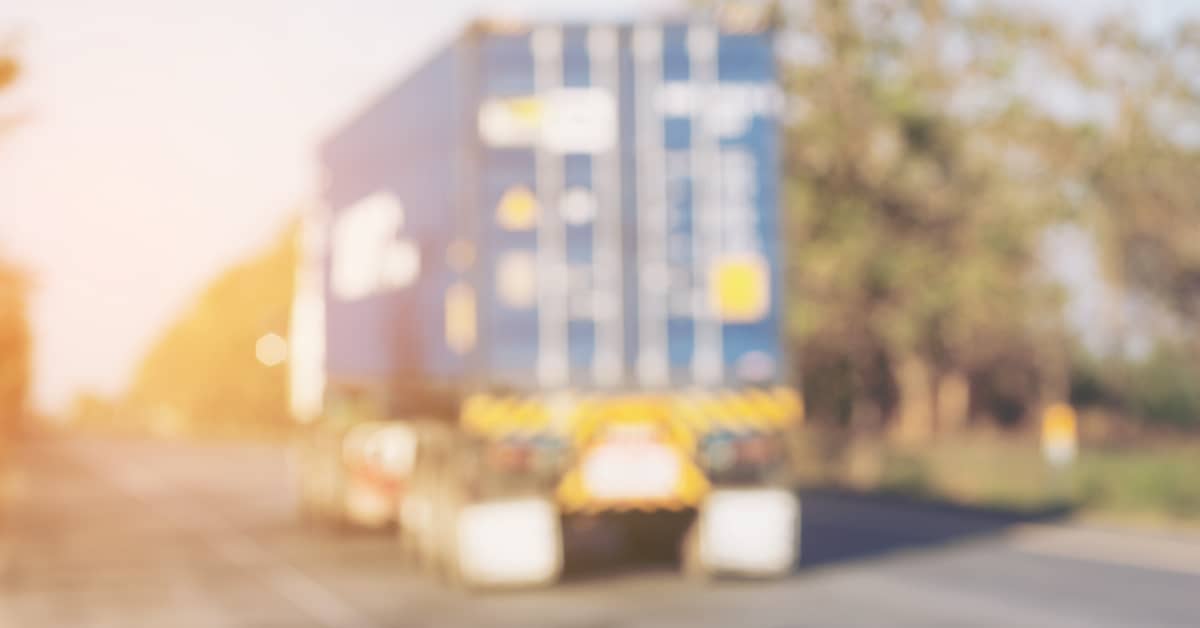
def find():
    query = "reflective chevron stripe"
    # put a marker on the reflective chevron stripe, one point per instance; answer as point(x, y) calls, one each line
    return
point(697, 413)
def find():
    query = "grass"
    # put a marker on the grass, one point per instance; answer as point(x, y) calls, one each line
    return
point(1155, 483)
point(1160, 481)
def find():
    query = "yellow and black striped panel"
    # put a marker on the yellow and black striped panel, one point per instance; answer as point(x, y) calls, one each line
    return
point(502, 415)
point(577, 417)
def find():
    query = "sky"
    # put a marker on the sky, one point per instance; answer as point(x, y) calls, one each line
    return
point(166, 140)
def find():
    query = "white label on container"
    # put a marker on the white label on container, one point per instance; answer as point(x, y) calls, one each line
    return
point(367, 256)
point(562, 121)
point(511, 122)
point(579, 120)
point(727, 108)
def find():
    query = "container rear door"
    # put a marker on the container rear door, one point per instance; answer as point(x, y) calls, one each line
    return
point(629, 192)
point(707, 282)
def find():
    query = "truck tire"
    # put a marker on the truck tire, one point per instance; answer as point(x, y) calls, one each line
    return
point(655, 537)
point(690, 561)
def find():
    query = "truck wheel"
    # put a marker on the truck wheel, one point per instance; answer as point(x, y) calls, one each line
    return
point(405, 542)
point(690, 560)
point(445, 566)
point(304, 506)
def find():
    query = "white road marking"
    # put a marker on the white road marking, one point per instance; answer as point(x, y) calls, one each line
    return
point(237, 548)
point(957, 607)
point(1169, 554)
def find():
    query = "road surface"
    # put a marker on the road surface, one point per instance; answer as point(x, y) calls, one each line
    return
point(128, 534)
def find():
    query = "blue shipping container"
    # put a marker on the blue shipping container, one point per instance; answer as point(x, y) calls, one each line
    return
point(576, 206)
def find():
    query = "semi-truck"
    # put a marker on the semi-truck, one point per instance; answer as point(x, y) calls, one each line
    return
point(544, 283)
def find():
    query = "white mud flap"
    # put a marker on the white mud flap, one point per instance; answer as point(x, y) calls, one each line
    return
point(750, 532)
point(510, 543)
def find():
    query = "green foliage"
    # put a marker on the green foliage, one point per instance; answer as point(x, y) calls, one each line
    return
point(15, 347)
point(1165, 388)
point(914, 220)
point(907, 474)
point(1089, 384)
point(926, 161)
point(89, 410)
point(1159, 481)
point(1152, 482)
point(9, 71)
point(1161, 389)
point(1137, 175)
point(202, 376)
point(15, 337)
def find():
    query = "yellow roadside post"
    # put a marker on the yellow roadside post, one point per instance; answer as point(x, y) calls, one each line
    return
point(1060, 435)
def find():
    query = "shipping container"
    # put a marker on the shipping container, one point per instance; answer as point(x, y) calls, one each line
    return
point(561, 207)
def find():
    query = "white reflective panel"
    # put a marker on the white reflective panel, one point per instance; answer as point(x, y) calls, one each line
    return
point(630, 464)
point(750, 531)
point(517, 542)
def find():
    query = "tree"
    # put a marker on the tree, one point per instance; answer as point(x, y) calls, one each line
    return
point(15, 347)
point(15, 339)
point(1136, 174)
point(10, 71)
point(919, 182)
point(202, 376)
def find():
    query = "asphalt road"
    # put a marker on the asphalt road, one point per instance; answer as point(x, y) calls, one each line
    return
point(125, 534)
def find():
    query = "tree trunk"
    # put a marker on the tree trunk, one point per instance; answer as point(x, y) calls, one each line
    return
point(918, 408)
point(953, 400)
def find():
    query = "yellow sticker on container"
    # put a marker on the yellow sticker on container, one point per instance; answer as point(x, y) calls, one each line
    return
point(510, 122)
point(460, 318)
point(518, 209)
point(527, 110)
point(740, 288)
point(516, 279)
